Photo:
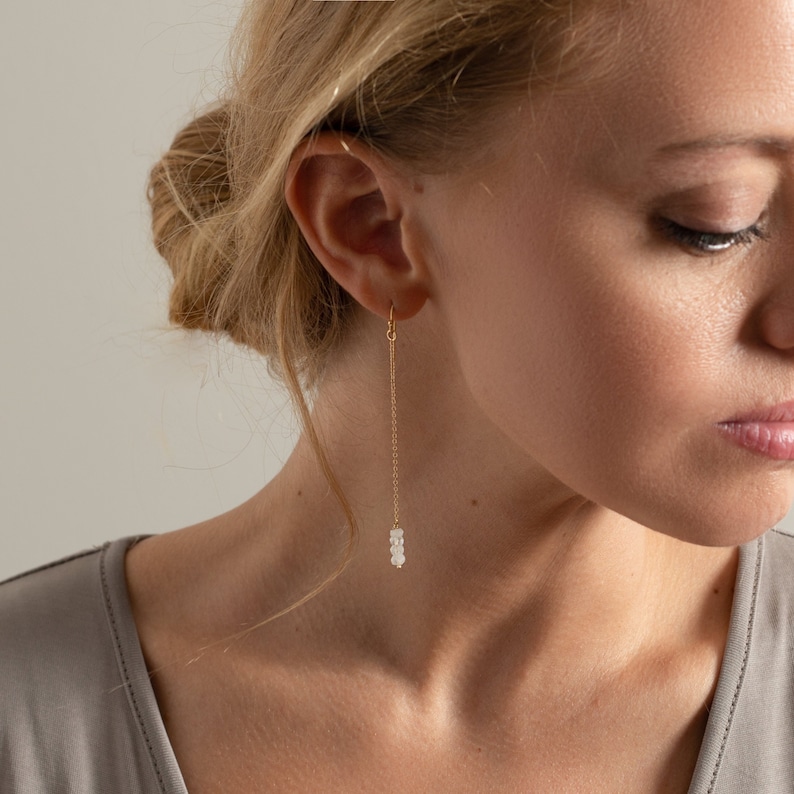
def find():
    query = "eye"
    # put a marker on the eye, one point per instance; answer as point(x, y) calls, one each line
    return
point(710, 242)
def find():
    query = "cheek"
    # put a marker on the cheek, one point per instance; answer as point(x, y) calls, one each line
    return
point(611, 373)
point(575, 350)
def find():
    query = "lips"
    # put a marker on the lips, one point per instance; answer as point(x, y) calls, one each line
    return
point(767, 431)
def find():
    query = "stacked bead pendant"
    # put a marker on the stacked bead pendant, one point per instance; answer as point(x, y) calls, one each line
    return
point(397, 547)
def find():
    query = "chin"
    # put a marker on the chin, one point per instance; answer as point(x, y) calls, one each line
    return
point(732, 525)
point(720, 508)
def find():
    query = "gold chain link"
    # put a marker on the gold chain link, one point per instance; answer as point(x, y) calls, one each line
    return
point(391, 334)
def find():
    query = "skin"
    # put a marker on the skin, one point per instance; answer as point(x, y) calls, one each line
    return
point(571, 511)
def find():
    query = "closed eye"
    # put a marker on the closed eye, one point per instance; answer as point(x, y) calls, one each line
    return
point(710, 242)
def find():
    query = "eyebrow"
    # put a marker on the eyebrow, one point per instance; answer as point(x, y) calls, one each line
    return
point(727, 142)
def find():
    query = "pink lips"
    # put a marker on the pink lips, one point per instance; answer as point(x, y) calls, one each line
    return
point(768, 431)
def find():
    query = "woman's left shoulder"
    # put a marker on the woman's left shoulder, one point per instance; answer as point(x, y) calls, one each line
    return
point(750, 732)
point(781, 540)
point(776, 574)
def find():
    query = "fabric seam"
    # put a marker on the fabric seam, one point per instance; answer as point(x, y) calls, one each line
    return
point(125, 673)
point(55, 564)
point(782, 533)
point(742, 672)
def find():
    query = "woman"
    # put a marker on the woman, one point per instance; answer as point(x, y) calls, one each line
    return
point(524, 267)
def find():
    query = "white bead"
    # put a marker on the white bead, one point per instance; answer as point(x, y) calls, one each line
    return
point(397, 545)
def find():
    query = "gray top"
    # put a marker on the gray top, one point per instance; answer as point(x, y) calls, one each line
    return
point(78, 714)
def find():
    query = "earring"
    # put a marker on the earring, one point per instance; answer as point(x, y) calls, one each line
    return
point(396, 534)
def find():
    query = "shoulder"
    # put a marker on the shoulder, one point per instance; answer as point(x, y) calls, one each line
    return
point(770, 610)
point(49, 614)
point(55, 635)
point(781, 542)
point(772, 618)
point(782, 539)
point(776, 580)
point(772, 621)
point(58, 613)
point(68, 645)
point(757, 679)
point(46, 576)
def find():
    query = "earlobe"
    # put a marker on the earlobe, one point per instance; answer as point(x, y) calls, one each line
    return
point(348, 205)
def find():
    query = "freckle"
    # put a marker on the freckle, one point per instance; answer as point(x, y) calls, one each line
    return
point(716, 591)
point(474, 503)
point(300, 493)
point(479, 749)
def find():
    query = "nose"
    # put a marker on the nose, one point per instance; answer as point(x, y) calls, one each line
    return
point(777, 320)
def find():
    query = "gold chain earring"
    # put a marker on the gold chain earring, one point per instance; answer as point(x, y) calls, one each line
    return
point(396, 534)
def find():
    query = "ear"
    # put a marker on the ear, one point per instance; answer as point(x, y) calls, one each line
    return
point(350, 206)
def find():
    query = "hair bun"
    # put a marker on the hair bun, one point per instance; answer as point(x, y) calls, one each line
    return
point(187, 188)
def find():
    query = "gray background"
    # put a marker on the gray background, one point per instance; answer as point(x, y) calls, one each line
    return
point(111, 423)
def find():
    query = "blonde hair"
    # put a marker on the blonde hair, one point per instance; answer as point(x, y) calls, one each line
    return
point(412, 78)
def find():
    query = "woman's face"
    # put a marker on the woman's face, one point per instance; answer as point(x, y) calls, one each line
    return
point(622, 280)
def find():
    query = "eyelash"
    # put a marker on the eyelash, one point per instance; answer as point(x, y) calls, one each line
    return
point(710, 243)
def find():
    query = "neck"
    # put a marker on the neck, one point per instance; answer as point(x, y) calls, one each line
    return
point(505, 566)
